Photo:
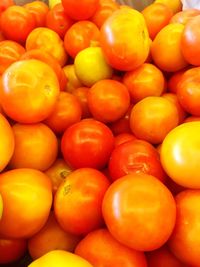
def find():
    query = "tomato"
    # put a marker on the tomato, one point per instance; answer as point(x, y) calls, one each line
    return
point(123, 137)
point(152, 118)
point(73, 81)
point(122, 51)
point(87, 143)
point(166, 48)
point(187, 91)
point(36, 99)
point(180, 152)
point(20, 16)
point(185, 235)
point(7, 142)
point(32, 200)
point(90, 186)
point(49, 41)
point(113, 96)
point(38, 140)
point(39, 10)
point(101, 249)
point(139, 211)
point(80, 10)
point(146, 80)
point(156, 16)
point(10, 52)
point(184, 16)
point(175, 5)
point(49, 238)
point(81, 35)
point(135, 156)
point(58, 21)
point(12, 250)
point(58, 171)
point(60, 258)
point(82, 95)
point(174, 79)
point(5, 4)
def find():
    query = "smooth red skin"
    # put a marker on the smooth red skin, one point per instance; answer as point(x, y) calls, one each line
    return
point(12, 250)
point(5, 4)
point(20, 16)
point(135, 156)
point(184, 16)
point(80, 10)
point(123, 137)
point(58, 21)
point(188, 91)
point(87, 143)
point(101, 249)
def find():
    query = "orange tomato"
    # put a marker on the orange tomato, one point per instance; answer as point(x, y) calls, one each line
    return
point(7, 142)
point(184, 16)
point(175, 5)
point(41, 144)
point(32, 197)
point(166, 48)
point(172, 83)
point(156, 16)
point(5, 4)
point(49, 41)
point(49, 238)
point(81, 35)
point(29, 91)
point(66, 112)
point(10, 52)
point(82, 95)
point(146, 80)
point(123, 137)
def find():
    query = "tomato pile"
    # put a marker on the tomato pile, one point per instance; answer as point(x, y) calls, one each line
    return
point(99, 134)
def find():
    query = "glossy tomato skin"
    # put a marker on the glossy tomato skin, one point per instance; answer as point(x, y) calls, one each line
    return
point(87, 143)
point(101, 249)
point(129, 216)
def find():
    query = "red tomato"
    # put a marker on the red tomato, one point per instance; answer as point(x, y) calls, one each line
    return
point(11, 250)
point(184, 16)
point(101, 249)
point(139, 211)
point(135, 156)
point(87, 143)
point(123, 137)
point(5, 4)
point(16, 23)
point(81, 194)
point(58, 21)
point(82, 95)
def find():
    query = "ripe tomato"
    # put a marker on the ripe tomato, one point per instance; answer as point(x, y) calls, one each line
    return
point(139, 211)
point(113, 96)
point(7, 142)
point(123, 137)
point(152, 118)
point(73, 81)
point(39, 10)
point(66, 112)
point(11, 250)
point(184, 16)
point(87, 143)
point(49, 41)
point(32, 197)
point(166, 48)
point(36, 99)
point(82, 95)
point(10, 52)
point(157, 16)
point(180, 152)
point(49, 238)
point(90, 185)
point(80, 10)
point(5, 4)
point(81, 35)
point(135, 156)
point(122, 51)
point(175, 5)
point(146, 80)
point(20, 16)
point(174, 79)
point(37, 139)
point(185, 236)
point(58, 21)
point(101, 249)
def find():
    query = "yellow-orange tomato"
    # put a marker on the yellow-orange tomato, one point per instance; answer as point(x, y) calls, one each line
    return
point(39, 10)
point(152, 118)
point(72, 80)
point(180, 154)
point(125, 40)
point(29, 91)
point(175, 5)
point(166, 48)
point(27, 200)
point(48, 41)
point(51, 237)
point(36, 146)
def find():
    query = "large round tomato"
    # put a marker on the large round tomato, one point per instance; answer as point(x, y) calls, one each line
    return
point(139, 211)
point(87, 143)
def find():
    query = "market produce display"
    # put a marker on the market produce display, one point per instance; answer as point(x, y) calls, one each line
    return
point(99, 134)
